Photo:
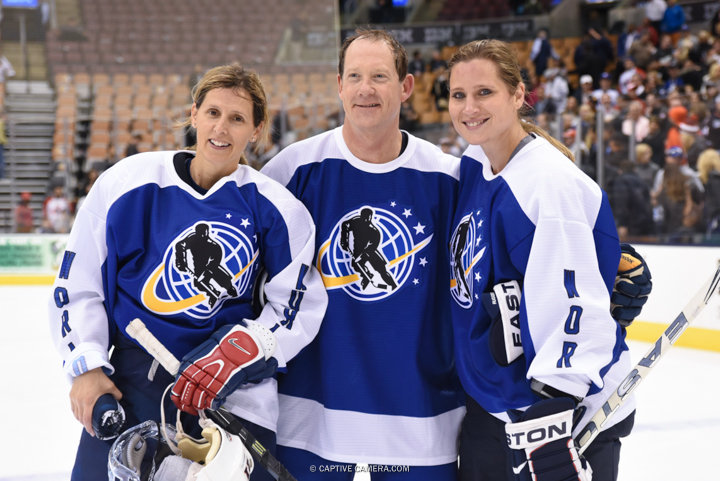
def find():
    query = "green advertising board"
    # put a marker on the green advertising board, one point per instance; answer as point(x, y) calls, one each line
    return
point(30, 258)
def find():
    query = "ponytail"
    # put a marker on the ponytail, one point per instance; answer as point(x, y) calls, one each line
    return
point(531, 128)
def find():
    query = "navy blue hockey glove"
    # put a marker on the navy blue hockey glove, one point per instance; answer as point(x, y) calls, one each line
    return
point(233, 355)
point(541, 443)
point(633, 284)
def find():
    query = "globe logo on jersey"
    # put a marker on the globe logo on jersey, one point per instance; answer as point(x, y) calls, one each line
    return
point(203, 266)
point(371, 252)
point(464, 254)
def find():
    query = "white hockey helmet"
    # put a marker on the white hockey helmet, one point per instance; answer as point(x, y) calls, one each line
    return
point(219, 456)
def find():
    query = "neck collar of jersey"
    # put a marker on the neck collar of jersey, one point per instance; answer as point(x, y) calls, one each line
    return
point(375, 168)
point(476, 152)
point(181, 183)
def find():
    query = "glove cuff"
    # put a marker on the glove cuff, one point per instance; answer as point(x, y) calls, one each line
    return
point(264, 336)
point(536, 432)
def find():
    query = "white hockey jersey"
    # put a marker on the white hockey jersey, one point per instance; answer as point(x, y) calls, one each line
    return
point(378, 384)
point(146, 245)
point(542, 222)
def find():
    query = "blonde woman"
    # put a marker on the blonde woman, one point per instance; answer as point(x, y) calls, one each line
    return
point(709, 173)
point(537, 233)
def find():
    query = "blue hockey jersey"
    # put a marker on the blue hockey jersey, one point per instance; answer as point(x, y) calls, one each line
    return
point(378, 384)
point(542, 222)
point(146, 245)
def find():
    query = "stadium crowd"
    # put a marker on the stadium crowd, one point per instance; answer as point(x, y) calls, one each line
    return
point(656, 94)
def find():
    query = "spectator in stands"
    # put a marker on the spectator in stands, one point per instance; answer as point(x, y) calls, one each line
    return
point(709, 173)
point(637, 121)
point(655, 12)
point(645, 169)
point(654, 85)
point(676, 116)
point(386, 11)
point(437, 62)
point(132, 147)
point(606, 88)
point(24, 214)
point(603, 47)
point(3, 141)
point(669, 200)
point(674, 82)
point(556, 88)
point(584, 94)
point(692, 75)
point(642, 50)
point(711, 80)
point(86, 185)
point(544, 104)
point(656, 140)
point(676, 156)
point(648, 27)
point(586, 62)
point(609, 111)
point(57, 211)
point(631, 204)
point(636, 87)
point(654, 106)
point(626, 77)
point(440, 89)
point(618, 149)
point(408, 117)
point(417, 65)
point(713, 125)
point(664, 53)
point(693, 141)
point(6, 68)
point(541, 52)
point(673, 20)
point(626, 39)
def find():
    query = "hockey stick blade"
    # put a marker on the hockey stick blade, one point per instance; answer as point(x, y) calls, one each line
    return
point(647, 363)
point(137, 330)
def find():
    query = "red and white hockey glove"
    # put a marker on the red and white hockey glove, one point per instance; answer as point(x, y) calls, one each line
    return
point(233, 355)
point(542, 446)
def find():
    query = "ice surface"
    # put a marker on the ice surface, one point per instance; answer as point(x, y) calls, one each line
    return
point(677, 405)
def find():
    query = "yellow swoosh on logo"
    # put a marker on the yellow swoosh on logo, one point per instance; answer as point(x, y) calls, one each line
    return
point(453, 282)
point(161, 306)
point(165, 307)
point(335, 282)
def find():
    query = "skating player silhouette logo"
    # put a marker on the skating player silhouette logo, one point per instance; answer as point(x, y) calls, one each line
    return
point(364, 250)
point(203, 267)
point(372, 251)
point(465, 252)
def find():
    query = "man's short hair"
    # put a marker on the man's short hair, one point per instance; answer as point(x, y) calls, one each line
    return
point(398, 51)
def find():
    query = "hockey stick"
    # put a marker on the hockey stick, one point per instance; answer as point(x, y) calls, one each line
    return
point(137, 330)
point(648, 362)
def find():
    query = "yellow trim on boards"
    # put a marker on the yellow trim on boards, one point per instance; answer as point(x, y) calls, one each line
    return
point(693, 337)
point(26, 280)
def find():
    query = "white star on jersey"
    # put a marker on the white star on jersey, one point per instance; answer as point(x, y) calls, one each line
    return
point(245, 223)
point(419, 229)
point(423, 261)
